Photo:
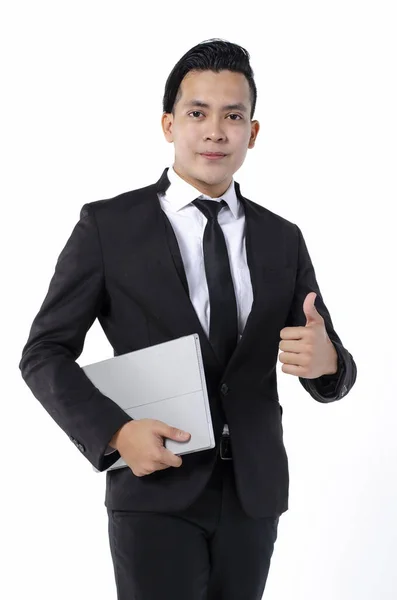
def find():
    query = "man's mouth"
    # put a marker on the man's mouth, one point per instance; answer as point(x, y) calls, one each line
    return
point(213, 155)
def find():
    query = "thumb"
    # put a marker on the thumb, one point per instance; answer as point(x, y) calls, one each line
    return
point(311, 313)
point(176, 434)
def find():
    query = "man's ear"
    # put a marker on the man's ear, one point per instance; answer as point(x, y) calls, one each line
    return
point(167, 121)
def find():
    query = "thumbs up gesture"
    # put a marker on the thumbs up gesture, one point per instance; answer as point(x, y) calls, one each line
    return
point(307, 351)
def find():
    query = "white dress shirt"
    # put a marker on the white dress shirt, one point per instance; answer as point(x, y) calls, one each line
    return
point(188, 223)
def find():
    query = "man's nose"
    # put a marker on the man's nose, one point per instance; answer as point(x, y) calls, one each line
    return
point(215, 134)
point(215, 129)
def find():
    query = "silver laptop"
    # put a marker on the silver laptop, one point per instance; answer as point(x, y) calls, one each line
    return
point(164, 382)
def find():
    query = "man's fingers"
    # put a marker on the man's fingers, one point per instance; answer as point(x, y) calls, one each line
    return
point(169, 458)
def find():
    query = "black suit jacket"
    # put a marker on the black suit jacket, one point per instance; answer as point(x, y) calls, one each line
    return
point(122, 265)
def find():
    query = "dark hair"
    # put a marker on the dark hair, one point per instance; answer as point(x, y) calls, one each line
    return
point(214, 55)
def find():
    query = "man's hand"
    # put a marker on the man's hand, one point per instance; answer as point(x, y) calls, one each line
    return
point(141, 444)
point(307, 351)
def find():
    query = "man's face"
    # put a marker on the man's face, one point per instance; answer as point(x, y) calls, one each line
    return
point(198, 129)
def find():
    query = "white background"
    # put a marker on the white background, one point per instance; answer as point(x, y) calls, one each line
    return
point(82, 86)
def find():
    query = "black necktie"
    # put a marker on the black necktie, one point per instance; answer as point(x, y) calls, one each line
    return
point(223, 307)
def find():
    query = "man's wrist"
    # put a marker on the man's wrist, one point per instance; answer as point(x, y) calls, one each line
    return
point(114, 441)
point(334, 365)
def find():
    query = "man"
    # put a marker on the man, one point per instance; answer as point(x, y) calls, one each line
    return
point(190, 254)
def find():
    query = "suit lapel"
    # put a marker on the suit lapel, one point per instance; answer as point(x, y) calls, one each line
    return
point(166, 290)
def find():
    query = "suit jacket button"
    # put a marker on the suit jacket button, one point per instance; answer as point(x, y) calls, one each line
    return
point(224, 389)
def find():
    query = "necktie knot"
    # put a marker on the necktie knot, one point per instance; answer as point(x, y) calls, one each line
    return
point(209, 208)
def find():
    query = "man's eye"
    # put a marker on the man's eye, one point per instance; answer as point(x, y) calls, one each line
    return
point(198, 112)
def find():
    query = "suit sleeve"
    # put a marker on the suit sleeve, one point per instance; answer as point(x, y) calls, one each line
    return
point(327, 388)
point(48, 364)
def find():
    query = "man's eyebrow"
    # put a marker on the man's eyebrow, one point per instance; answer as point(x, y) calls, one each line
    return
point(236, 106)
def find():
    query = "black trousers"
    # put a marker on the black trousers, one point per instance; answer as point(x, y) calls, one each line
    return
point(210, 551)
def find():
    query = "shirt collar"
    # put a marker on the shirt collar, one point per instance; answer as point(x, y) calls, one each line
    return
point(181, 193)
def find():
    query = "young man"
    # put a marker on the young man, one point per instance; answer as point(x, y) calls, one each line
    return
point(190, 254)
